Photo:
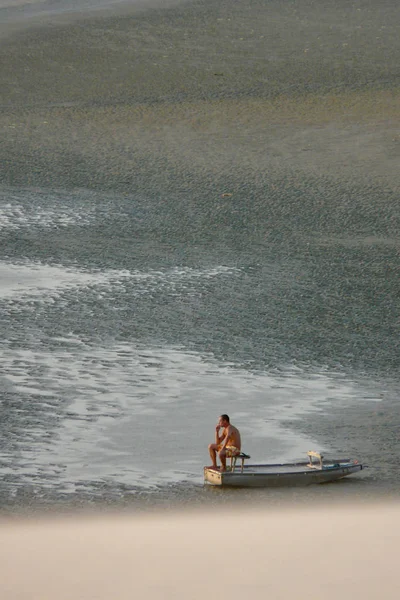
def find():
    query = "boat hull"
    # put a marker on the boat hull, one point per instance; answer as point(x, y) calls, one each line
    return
point(298, 474)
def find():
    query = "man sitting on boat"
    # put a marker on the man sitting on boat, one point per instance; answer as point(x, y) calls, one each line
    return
point(227, 444)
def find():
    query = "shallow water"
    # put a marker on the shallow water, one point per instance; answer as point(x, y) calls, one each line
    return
point(113, 378)
point(170, 253)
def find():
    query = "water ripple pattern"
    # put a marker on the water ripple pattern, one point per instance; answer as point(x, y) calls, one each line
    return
point(123, 339)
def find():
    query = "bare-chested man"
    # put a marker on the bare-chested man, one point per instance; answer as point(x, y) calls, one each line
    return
point(227, 444)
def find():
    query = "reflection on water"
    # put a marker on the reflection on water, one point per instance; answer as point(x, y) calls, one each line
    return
point(93, 410)
point(142, 416)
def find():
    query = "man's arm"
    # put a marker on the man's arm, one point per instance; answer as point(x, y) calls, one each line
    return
point(218, 438)
point(226, 438)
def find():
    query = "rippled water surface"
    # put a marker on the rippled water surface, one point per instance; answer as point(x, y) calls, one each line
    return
point(198, 214)
point(113, 377)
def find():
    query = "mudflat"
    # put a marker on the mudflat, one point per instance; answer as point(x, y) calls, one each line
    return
point(194, 92)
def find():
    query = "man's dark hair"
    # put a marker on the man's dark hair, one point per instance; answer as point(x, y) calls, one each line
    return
point(225, 418)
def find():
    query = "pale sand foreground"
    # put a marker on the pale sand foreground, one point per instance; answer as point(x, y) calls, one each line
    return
point(337, 552)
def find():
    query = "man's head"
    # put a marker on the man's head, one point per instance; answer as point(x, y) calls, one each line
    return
point(224, 420)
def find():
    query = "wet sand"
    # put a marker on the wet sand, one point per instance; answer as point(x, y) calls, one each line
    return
point(202, 94)
point(347, 552)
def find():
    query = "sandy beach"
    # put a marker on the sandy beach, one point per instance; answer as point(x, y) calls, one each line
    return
point(347, 552)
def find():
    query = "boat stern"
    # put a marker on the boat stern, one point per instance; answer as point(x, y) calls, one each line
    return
point(212, 476)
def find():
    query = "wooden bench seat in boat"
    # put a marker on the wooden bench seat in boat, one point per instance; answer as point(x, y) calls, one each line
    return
point(241, 456)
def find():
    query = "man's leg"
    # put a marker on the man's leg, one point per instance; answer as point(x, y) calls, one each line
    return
point(212, 448)
point(222, 458)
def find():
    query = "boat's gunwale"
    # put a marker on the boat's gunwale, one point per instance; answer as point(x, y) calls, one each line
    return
point(329, 472)
point(331, 467)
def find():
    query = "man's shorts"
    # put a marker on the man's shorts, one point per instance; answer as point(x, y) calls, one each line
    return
point(230, 450)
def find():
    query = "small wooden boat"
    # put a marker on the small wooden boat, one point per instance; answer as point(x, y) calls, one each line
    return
point(316, 470)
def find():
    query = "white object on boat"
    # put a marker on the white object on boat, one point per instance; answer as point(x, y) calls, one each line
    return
point(272, 475)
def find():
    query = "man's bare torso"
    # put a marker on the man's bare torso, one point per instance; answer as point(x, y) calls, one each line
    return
point(234, 436)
